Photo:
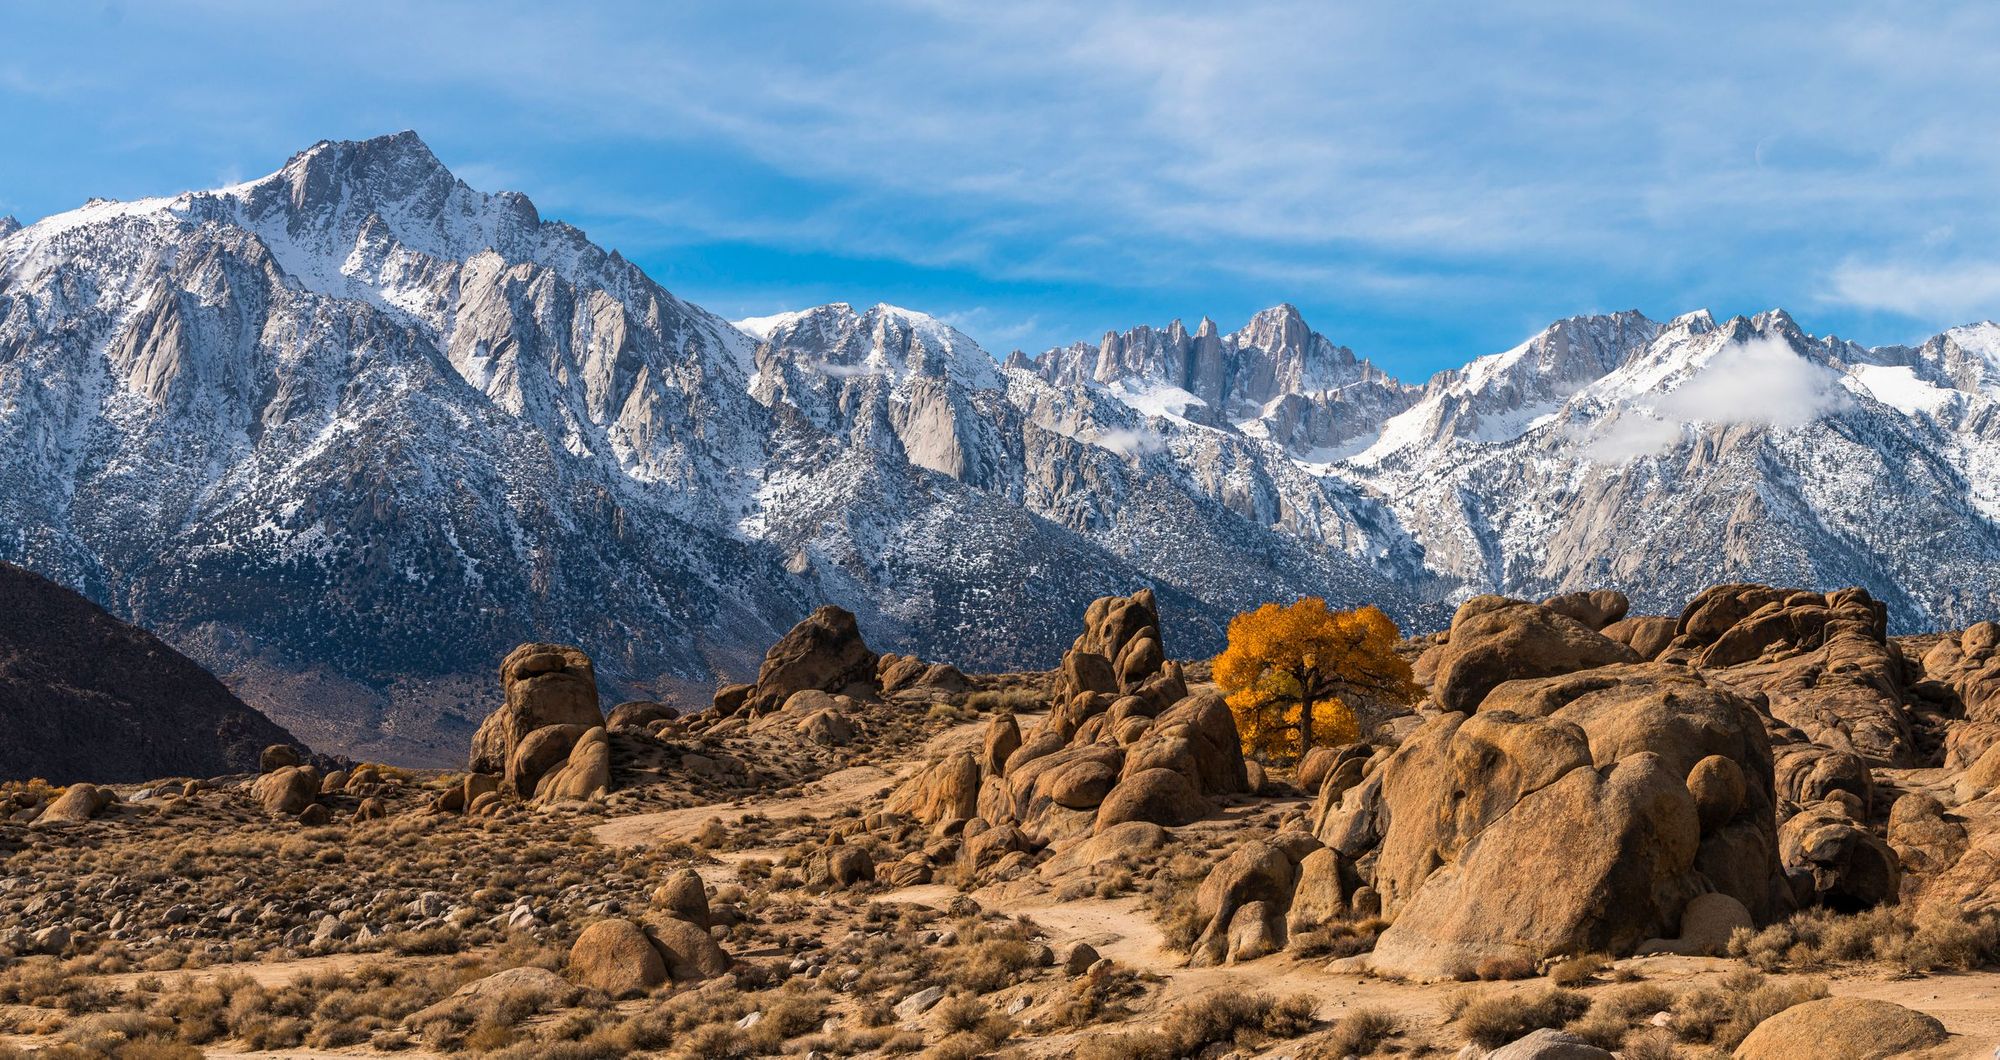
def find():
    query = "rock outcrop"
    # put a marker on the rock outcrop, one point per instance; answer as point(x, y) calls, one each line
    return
point(1494, 639)
point(824, 652)
point(1822, 660)
point(544, 685)
point(1626, 789)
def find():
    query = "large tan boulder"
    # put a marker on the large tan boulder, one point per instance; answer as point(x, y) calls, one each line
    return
point(1051, 796)
point(287, 791)
point(824, 652)
point(1254, 872)
point(1807, 772)
point(1823, 662)
point(1494, 639)
point(1319, 897)
point(1706, 925)
point(1646, 635)
point(616, 957)
point(1445, 784)
point(1713, 739)
point(1968, 664)
point(1118, 846)
point(1853, 1028)
point(684, 895)
point(1836, 861)
point(544, 684)
point(690, 952)
point(1596, 609)
point(1161, 796)
point(639, 713)
point(1592, 863)
point(1196, 737)
point(1084, 671)
point(78, 803)
point(585, 775)
point(1003, 738)
point(946, 790)
point(538, 753)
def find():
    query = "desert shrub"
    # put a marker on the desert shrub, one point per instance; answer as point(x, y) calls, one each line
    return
point(1503, 968)
point(1653, 1045)
point(712, 1041)
point(1291, 1016)
point(1600, 1029)
point(788, 1013)
point(1341, 938)
point(1361, 1032)
point(1191, 1028)
point(1931, 938)
point(1635, 1002)
point(1010, 701)
point(1724, 1017)
point(1496, 1018)
point(1578, 970)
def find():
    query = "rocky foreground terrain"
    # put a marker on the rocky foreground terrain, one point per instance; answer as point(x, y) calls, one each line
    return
point(1760, 828)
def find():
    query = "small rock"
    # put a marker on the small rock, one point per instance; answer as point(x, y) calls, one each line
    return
point(919, 1003)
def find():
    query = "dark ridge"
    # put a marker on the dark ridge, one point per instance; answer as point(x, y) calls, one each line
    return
point(84, 696)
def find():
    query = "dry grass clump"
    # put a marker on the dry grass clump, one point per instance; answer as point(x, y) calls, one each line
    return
point(1493, 1018)
point(1340, 938)
point(1502, 969)
point(120, 1036)
point(701, 1023)
point(1724, 1015)
point(1172, 897)
point(1655, 1044)
point(1578, 970)
point(1362, 1032)
point(1009, 701)
point(1248, 1021)
point(1930, 938)
point(46, 982)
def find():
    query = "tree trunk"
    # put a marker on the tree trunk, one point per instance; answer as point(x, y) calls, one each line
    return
point(1306, 698)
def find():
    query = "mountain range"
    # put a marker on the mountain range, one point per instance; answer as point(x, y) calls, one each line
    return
point(348, 432)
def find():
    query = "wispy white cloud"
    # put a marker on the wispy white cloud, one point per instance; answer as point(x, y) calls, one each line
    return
point(1943, 292)
point(1760, 381)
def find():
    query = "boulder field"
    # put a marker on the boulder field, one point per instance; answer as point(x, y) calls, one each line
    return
point(1576, 779)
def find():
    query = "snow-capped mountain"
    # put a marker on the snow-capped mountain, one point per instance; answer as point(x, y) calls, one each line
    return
point(348, 432)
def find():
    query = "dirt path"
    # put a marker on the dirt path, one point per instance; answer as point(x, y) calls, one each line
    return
point(831, 792)
point(835, 791)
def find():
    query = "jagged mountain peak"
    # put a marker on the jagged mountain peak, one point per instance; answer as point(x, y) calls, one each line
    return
point(389, 167)
point(882, 341)
point(9, 225)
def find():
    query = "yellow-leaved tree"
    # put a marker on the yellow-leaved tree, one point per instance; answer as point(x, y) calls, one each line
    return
point(1291, 671)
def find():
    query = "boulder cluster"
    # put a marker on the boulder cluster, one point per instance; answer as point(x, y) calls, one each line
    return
point(1660, 780)
point(1124, 750)
point(288, 786)
point(626, 957)
point(549, 742)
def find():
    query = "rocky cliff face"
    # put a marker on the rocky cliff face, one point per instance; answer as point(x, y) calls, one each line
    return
point(350, 431)
point(84, 696)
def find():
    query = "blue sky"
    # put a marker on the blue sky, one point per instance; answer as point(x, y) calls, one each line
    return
point(1427, 184)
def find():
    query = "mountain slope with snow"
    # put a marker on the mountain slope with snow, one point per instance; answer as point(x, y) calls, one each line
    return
point(348, 432)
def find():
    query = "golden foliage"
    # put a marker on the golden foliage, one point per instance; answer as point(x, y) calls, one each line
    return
point(1292, 672)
